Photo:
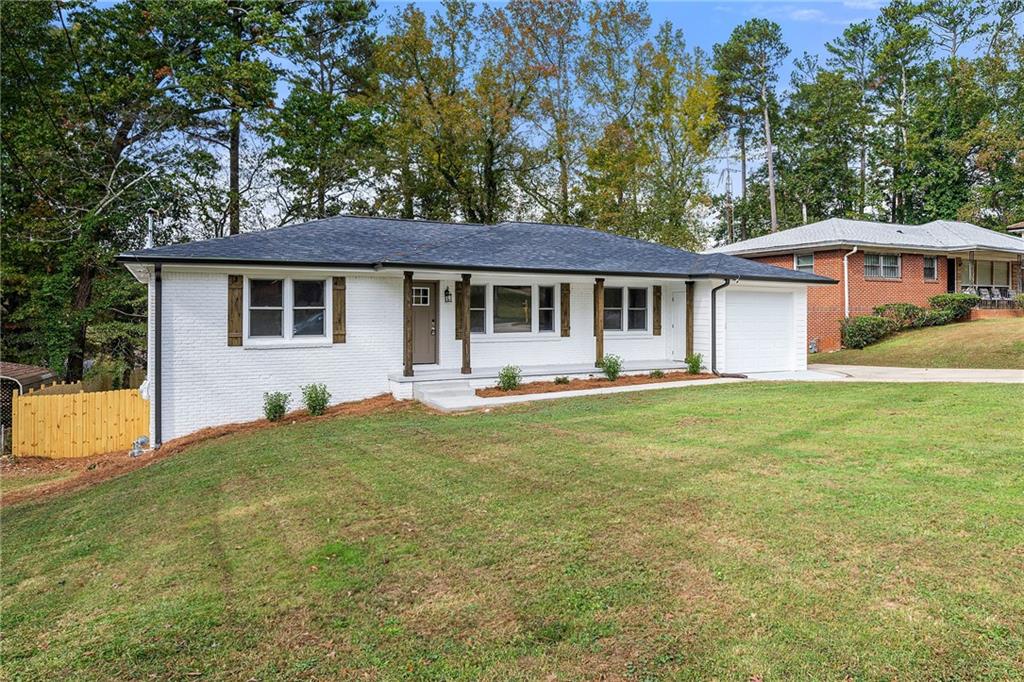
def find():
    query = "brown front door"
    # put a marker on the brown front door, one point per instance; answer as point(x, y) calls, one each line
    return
point(424, 323)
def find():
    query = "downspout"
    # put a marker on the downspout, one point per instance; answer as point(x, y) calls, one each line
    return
point(714, 325)
point(846, 282)
point(157, 353)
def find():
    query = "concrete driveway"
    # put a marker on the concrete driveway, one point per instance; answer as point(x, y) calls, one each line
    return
point(920, 374)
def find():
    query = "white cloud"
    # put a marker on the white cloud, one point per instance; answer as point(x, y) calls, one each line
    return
point(807, 15)
point(863, 4)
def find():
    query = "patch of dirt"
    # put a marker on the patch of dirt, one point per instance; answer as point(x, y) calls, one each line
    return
point(93, 470)
point(595, 382)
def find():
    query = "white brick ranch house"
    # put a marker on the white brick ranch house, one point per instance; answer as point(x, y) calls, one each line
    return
point(372, 305)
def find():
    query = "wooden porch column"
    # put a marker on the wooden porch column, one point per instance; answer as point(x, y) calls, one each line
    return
point(598, 321)
point(689, 317)
point(464, 304)
point(407, 319)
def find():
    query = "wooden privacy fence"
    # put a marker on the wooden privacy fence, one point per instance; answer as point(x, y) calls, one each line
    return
point(77, 424)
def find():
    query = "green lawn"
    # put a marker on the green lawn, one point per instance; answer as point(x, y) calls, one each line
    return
point(790, 531)
point(983, 344)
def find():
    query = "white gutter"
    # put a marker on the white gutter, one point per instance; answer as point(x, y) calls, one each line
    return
point(846, 282)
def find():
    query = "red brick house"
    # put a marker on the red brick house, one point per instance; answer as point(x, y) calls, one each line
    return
point(876, 263)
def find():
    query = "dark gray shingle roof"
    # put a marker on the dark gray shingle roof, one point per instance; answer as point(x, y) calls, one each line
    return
point(513, 246)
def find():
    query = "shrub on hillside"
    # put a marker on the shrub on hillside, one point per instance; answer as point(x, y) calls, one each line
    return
point(316, 397)
point(903, 315)
point(959, 304)
point(510, 377)
point(611, 365)
point(275, 405)
point(934, 318)
point(865, 330)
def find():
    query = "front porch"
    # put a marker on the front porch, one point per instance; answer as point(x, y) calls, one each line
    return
point(429, 379)
point(428, 373)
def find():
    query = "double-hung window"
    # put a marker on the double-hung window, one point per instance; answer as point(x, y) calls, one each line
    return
point(625, 309)
point(931, 270)
point(284, 308)
point(545, 309)
point(803, 262)
point(478, 308)
point(266, 307)
point(308, 309)
point(881, 266)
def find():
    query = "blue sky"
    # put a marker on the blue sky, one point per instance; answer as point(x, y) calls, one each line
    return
point(806, 26)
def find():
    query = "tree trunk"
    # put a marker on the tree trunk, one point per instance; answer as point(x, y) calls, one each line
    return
point(771, 167)
point(83, 295)
point(234, 144)
point(234, 203)
point(321, 191)
point(743, 182)
point(863, 178)
point(563, 187)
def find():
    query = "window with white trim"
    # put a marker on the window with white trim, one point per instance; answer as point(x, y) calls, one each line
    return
point(882, 265)
point(803, 262)
point(478, 308)
point(522, 309)
point(625, 308)
point(285, 308)
point(545, 309)
point(637, 317)
point(421, 296)
point(309, 310)
point(513, 307)
point(931, 268)
point(266, 308)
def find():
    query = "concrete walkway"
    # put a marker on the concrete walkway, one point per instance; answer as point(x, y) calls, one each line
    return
point(920, 374)
point(461, 398)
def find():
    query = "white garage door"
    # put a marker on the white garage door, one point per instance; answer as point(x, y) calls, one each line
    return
point(759, 334)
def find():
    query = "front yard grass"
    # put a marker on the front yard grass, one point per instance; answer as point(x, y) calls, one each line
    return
point(982, 344)
point(785, 531)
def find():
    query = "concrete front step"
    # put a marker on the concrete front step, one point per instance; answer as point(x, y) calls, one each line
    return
point(440, 394)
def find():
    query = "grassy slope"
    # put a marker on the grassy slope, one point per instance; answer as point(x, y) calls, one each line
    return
point(810, 531)
point(984, 344)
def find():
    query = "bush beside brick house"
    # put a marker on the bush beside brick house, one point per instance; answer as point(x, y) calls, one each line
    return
point(825, 305)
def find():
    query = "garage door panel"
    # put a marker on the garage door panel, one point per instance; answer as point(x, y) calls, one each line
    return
point(759, 331)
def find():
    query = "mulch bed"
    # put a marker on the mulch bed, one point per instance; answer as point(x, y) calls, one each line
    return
point(595, 382)
point(93, 470)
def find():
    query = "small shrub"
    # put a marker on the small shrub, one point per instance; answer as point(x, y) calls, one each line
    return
point(657, 374)
point(316, 397)
point(959, 304)
point(904, 315)
point(1019, 299)
point(275, 405)
point(694, 361)
point(510, 377)
point(611, 365)
point(934, 318)
point(865, 330)
point(561, 380)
